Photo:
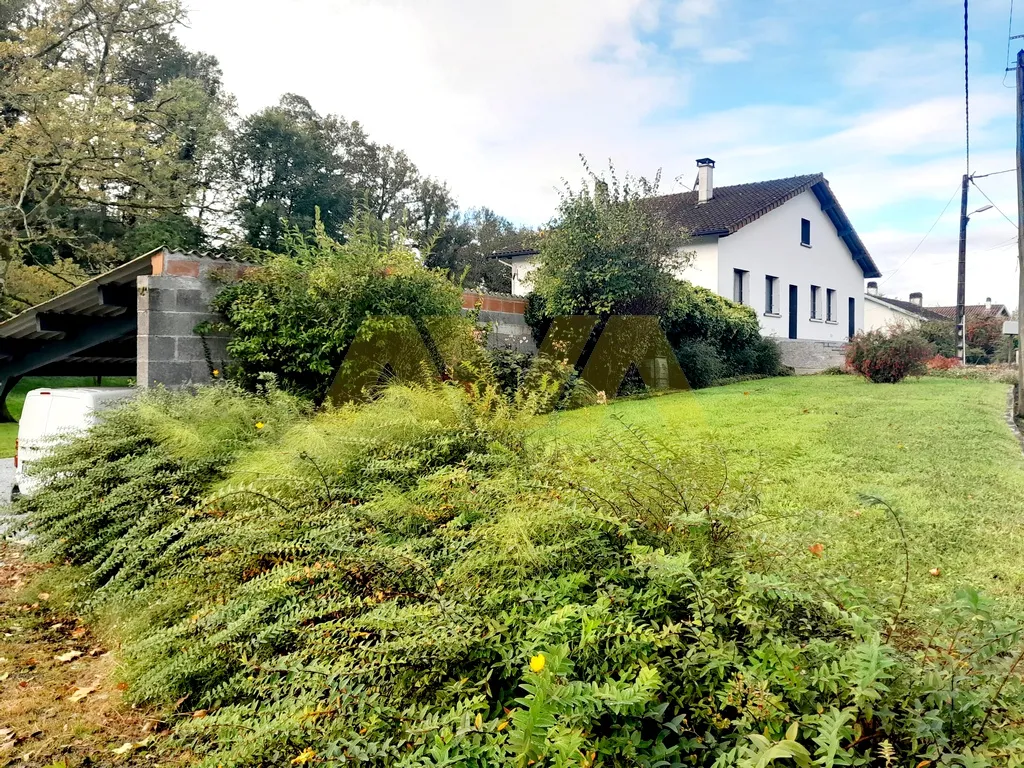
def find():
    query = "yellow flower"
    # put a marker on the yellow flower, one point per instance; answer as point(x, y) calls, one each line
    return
point(260, 425)
point(537, 663)
point(216, 372)
point(305, 756)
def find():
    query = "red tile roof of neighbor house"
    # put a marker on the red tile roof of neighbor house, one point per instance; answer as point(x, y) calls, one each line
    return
point(973, 311)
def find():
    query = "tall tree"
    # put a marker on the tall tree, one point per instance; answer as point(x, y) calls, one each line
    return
point(288, 161)
point(87, 155)
point(466, 243)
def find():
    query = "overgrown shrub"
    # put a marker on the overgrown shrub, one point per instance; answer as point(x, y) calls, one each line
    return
point(409, 583)
point(701, 363)
point(942, 363)
point(888, 356)
point(296, 316)
point(940, 333)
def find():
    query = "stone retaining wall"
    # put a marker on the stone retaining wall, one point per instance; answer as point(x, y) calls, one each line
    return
point(806, 356)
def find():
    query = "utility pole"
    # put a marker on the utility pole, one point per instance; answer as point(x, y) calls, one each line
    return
point(1020, 226)
point(961, 276)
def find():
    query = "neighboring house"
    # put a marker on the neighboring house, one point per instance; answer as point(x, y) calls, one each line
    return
point(974, 311)
point(783, 247)
point(882, 312)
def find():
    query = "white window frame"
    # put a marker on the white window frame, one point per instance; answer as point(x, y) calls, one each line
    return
point(831, 306)
point(815, 302)
point(741, 286)
point(771, 296)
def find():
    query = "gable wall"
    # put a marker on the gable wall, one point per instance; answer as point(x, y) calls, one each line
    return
point(771, 246)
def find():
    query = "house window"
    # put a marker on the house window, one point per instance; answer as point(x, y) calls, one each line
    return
point(805, 232)
point(815, 300)
point(831, 310)
point(740, 278)
point(771, 295)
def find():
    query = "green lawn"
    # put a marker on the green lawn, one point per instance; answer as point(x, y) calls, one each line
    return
point(938, 450)
point(8, 432)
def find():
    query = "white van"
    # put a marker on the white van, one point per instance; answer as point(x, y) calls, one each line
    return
point(51, 416)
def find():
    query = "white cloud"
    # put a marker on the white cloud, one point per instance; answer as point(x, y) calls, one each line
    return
point(498, 98)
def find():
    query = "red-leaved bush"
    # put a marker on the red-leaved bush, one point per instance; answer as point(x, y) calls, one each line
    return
point(940, 363)
point(886, 357)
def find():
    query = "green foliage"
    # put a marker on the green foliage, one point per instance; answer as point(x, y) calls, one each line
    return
point(297, 315)
point(888, 356)
point(940, 333)
point(701, 363)
point(409, 583)
point(716, 338)
point(607, 251)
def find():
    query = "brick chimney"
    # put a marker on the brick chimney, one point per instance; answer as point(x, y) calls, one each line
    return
point(872, 288)
point(988, 302)
point(917, 298)
point(705, 179)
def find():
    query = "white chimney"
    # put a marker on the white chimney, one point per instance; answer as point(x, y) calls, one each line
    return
point(873, 288)
point(917, 298)
point(705, 179)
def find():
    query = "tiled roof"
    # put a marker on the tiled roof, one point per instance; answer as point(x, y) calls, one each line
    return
point(909, 306)
point(733, 207)
point(513, 253)
point(973, 311)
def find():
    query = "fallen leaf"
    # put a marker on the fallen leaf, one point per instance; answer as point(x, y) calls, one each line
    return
point(69, 656)
point(935, 572)
point(44, 596)
point(79, 632)
point(816, 549)
point(124, 749)
point(81, 693)
point(199, 713)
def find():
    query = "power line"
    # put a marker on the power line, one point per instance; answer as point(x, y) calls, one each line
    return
point(1012, 222)
point(1009, 39)
point(937, 220)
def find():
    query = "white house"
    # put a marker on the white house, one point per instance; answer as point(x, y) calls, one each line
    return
point(783, 247)
point(881, 312)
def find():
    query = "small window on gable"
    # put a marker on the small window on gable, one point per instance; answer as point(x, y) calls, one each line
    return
point(805, 232)
point(740, 286)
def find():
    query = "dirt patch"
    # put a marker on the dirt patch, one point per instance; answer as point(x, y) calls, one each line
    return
point(60, 704)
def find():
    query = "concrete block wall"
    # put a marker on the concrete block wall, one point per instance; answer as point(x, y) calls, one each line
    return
point(504, 315)
point(812, 356)
point(172, 302)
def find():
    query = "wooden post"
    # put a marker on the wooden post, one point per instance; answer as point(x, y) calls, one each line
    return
point(1020, 225)
point(961, 275)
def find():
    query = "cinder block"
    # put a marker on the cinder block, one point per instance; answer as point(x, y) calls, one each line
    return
point(170, 374)
point(156, 348)
point(174, 323)
point(191, 301)
point(189, 349)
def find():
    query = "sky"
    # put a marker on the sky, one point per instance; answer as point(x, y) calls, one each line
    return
point(499, 98)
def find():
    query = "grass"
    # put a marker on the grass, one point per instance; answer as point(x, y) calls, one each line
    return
point(15, 401)
point(937, 450)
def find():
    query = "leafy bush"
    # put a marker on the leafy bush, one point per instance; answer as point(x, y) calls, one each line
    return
point(759, 358)
point(607, 252)
point(701, 363)
point(408, 583)
point(699, 314)
point(296, 316)
point(940, 333)
point(888, 356)
point(942, 363)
